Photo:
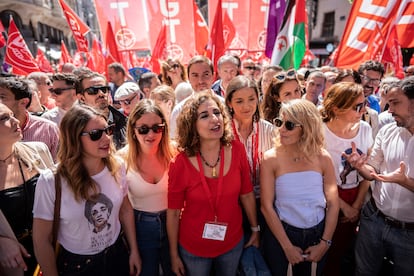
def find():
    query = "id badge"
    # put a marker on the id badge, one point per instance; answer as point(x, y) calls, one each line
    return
point(214, 231)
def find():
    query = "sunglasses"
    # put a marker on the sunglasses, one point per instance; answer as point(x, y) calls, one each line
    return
point(250, 67)
point(93, 90)
point(144, 129)
point(128, 101)
point(174, 66)
point(59, 91)
point(96, 134)
point(282, 76)
point(358, 107)
point(288, 124)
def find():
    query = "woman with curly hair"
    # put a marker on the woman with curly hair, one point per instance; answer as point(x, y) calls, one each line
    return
point(94, 203)
point(207, 182)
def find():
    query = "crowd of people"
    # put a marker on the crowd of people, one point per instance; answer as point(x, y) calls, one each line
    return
point(240, 171)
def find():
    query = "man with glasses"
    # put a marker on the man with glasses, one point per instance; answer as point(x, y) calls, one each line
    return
point(43, 84)
point(409, 71)
point(16, 95)
point(92, 89)
point(249, 68)
point(64, 93)
point(387, 220)
point(128, 95)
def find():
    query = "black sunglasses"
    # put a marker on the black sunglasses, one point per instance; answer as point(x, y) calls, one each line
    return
point(144, 129)
point(288, 124)
point(283, 75)
point(59, 91)
point(250, 67)
point(96, 134)
point(128, 101)
point(360, 106)
point(174, 66)
point(93, 90)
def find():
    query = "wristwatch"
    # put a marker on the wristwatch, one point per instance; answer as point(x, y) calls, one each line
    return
point(328, 242)
point(255, 228)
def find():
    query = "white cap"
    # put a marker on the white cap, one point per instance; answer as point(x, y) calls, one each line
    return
point(126, 90)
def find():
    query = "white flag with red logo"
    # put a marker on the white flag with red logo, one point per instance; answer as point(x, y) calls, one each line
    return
point(79, 29)
point(18, 54)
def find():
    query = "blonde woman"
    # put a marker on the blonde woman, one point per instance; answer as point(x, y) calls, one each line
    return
point(298, 192)
point(164, 96)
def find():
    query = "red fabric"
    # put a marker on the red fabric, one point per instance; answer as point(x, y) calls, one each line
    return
point(79, 29)
point(159, 49)
point(2, 39)
point(18, 54)
point(201, 29)
point(229, 31)
point(43, 63)
point(348, 195)
point(112, 54)
point(185, 190)
point(215, 48)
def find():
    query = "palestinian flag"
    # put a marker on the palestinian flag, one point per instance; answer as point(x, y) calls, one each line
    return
point(290, 45)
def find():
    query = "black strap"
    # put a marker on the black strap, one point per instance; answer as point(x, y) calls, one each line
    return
point(56, 213)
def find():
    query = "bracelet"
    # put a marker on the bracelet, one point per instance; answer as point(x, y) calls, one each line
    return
point(255, 228)
point(328, 242)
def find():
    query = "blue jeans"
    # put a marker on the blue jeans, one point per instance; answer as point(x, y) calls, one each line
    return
point(224, 265)
point(303, 238)
point(376, 240)
point(252, 263)
point(153, 243)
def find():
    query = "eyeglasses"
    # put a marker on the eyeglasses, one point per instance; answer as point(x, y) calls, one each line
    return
point(96, 134)
point(410, 73)
point(144, 129)
point(128, 101)
point(250, 67)
point(369, 80)
point(288, 124)
point(360, 106)
point(283, 75)
point(59, 91)
point(174, 66)
point(93, 90)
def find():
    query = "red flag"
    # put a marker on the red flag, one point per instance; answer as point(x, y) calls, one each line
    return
point(159, 49)
point(215, 48)
point(79, 29)
point(392, 54)
point(201, 29)
point(43, 63)
point(78, 60)
point(405, 24)
point(229, 31)
point(2, 39)
point(96, 59)
point(112, 52)
point(375, 46)
point(18, 54)
point(65, 57)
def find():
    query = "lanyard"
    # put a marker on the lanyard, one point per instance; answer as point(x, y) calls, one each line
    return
point(206, 188)
point(255, 148)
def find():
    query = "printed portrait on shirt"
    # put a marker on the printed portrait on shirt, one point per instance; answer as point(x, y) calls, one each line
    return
point(348, 174)
point(98, 211)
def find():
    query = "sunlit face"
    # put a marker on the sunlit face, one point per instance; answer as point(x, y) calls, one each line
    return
point(314, 87)
point(289, 137)
point(98, 101)
point(289, 90)
point(200, 76)
point(115, 77)
point(227, 72)
point(9, 126)
point(95, 149)
point(209, 123)
point(370, 81)
point(129, 103)
point(352, 115)
point(68, 96)
point(401, 108)
point(151, 140)
point(7, 97)
point(174, 70)
point(244, 103)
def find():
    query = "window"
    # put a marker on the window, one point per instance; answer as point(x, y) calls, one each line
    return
point(328, 24)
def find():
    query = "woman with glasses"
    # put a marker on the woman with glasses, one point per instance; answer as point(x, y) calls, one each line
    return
point(209, 182)
point(94, 203)
point(298, 192)
point(284, 87)
point(343, 106)
point(148, 155)
point(20, 166)
point(173, 73)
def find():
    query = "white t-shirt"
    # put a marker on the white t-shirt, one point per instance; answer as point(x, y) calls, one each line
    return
point(146, 196)
point(86, 227)
point(346, 176)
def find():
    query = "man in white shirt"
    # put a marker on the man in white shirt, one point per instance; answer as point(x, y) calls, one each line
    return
point(64, 93)
point(387, 220)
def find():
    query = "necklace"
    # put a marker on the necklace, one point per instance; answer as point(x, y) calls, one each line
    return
point(213, 167)
point(7, 158)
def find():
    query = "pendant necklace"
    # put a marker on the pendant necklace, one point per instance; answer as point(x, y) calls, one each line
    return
point(213, 167)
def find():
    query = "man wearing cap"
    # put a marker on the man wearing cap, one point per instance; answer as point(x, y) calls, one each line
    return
point(128, 95)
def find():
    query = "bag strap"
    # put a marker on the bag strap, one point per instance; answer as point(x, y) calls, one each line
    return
point(314, 266)
point(56, 213)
